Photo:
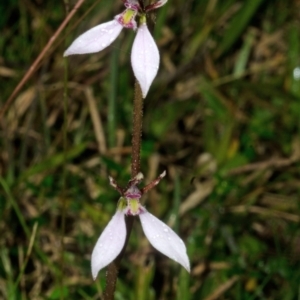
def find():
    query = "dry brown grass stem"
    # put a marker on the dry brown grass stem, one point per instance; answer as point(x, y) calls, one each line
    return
point(273, 163)
point(222, 288)
point(36, 63)
point(265, 212)
point(96, 119)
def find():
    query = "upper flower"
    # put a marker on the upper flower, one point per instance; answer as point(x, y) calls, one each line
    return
point(112, 239)
point(144, 55)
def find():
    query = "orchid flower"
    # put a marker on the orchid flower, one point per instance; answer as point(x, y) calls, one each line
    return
point(112, 239)
point(144, 55)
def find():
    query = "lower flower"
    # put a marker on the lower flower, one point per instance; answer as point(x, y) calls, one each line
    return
point(112, 239)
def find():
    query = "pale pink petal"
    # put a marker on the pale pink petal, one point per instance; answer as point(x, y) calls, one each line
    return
point(95, 39)
point(109, 244)
point(164, 239)
point(160, 3)
point(132, 4)
point(144, 58)
point(155, 5)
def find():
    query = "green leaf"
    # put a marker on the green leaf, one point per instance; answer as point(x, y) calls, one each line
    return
point(238, 25)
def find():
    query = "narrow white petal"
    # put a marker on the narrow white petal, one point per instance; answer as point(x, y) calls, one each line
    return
point(133, 2)
point(95, 39)
point(144, 58)
point(109, 244)
point(155, 5)
point(164, 239)
point(160, 3)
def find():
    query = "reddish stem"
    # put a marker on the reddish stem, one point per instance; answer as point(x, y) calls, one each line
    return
point(137, 130)
point(112, 269)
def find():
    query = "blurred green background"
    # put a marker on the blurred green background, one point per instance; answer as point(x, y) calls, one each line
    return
point(222, 117)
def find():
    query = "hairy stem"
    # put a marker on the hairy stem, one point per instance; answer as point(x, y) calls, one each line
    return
point(136, 130)
point(112, 269)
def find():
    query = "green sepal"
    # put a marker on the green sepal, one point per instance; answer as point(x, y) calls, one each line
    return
point(143, 19)
point(122, 204)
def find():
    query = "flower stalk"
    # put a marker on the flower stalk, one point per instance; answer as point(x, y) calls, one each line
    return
point(137, 124)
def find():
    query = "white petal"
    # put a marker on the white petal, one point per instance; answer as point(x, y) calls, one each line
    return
point(109, 244)
point(133, 2)
point(95, 39)
point(160, 3)
point(164, 239)
point(144, 58)
point(155, 5)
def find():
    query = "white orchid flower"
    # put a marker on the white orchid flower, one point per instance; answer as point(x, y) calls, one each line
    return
point(144, 55)
point(112, 239)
